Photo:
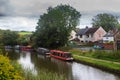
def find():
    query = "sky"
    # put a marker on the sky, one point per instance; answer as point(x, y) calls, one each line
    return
point(24, 14)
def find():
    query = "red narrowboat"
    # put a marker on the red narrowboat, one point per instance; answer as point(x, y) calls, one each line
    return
point(61, 55)
point(26, 48)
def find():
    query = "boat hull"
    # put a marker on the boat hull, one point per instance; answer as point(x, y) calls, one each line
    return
point(61, 58)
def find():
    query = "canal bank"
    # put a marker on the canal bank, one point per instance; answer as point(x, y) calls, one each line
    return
point(109, 66)
point(37, 63)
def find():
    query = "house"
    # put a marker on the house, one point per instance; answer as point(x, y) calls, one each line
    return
point(90, 34)
point(111, 40)
point(108, 38)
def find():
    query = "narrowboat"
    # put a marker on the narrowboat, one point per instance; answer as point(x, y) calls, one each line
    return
point(26, 48)
point(61, 55)
point(43, 51)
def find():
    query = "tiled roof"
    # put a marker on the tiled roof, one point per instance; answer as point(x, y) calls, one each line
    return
point(87, 31)
point(108, 35)
point(91, 30)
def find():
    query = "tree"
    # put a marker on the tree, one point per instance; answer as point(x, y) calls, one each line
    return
point(54, 27)
point(9, 37)
point(107, 21)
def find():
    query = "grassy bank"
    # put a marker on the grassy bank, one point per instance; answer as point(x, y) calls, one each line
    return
point(104, 55)
point(99, 59)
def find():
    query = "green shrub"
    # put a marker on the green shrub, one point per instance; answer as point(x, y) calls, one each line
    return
point(67, 48)
point(7, 71)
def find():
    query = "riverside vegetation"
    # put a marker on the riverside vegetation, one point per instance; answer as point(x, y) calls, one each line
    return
point(11, 70)
point(108, 61)
point(7, 71)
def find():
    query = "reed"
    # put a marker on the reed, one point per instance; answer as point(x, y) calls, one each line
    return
point(42, 75)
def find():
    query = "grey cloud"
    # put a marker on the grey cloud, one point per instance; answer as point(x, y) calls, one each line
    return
point(5, 8)
point(38, 7)
point(18, 23)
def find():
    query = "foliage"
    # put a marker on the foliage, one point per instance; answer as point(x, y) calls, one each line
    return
point(24, 40)
point(25, 33)
point(65, 48)
point(54, 27)
point(104, 55)
point(8, 37)
point(107, 21)
point(7, 71)
point(100, 63)
point(42, 75)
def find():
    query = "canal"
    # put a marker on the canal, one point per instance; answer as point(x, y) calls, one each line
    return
point(71, 70)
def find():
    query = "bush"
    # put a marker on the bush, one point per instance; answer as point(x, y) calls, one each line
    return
point(67, 48)
point(7, 71)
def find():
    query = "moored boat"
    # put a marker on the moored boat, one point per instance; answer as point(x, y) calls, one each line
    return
point(26, 48)
point(61, 55)
point(43, 51)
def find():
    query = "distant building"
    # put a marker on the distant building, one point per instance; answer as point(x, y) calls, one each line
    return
point(90, 34)
point(109, 37)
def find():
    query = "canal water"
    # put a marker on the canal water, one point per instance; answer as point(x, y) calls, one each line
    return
point(71, 70)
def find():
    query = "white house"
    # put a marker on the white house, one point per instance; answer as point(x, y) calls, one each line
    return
point(90, 34)
point(72, 35)
point(109, 37)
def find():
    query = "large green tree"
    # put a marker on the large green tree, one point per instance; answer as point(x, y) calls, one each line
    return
point(54, 27)
point(107, 21)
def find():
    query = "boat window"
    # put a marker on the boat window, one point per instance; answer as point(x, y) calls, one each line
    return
point(68, 55)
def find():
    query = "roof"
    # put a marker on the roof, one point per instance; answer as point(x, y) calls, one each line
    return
point(60, 52)
point(91, 30)
point(111, 33)
point(108, 35)
point(87, 31)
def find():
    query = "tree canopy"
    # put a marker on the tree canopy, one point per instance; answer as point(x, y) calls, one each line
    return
point(8, 37)
point(107, 21)
point(54, 27)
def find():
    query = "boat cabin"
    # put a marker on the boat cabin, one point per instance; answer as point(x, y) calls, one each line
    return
point(26, 48)
point(43, 51)
point(61, 55)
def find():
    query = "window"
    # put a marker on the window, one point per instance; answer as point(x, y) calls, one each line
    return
point(87, 36)
point(82, 41)
point(106, 37)
point(86, 41)
point(80, 36)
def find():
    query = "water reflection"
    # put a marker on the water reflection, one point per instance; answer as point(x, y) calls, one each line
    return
point(83, 72)
point(71, 70)
point(25, 61)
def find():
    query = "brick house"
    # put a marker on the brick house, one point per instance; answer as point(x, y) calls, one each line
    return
point(90, 34)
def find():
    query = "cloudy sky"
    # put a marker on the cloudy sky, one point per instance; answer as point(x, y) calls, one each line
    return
point(24, 14)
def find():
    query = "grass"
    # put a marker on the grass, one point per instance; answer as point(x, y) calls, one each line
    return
point(42, 75)
point(110, 65)
point(108, 61)
point(25, 33)
point(104, 55)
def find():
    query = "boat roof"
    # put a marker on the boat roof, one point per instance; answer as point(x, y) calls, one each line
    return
point(58, 51)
